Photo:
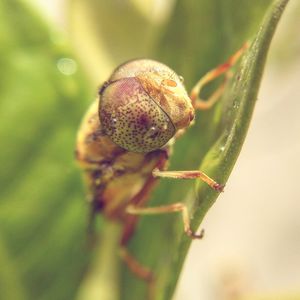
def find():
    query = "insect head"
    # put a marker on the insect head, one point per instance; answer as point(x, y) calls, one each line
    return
point(143, 105)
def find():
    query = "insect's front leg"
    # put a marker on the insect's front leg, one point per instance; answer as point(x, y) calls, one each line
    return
point(224, 68)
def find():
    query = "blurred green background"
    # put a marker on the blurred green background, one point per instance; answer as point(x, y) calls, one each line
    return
point(53, 56)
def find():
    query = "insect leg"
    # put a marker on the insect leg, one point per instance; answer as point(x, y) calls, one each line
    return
point(135, 267)
point(189, 175)
point(176, 207)
point(139, 270)
point(224, 68)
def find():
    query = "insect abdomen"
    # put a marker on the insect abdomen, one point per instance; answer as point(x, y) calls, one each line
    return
point(114, 175)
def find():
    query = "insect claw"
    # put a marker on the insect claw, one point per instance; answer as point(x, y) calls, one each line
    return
point(194, 235)
point(219, 187)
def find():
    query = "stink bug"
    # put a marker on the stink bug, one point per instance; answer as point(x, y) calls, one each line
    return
point(124, 142)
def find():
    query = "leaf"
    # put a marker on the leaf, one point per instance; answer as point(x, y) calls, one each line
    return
point(159, 241)
point(106, 43)
point(43, 252)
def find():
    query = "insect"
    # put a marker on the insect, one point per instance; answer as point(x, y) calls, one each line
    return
point(125, 138)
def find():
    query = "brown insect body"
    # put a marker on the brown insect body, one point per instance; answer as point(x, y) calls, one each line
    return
point(128, 133)
point(114, 175)
point(125, 140)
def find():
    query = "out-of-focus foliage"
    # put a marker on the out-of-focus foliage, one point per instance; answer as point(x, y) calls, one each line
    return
point(43, 249)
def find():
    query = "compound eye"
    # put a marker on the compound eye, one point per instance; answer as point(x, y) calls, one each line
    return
point(131, 118)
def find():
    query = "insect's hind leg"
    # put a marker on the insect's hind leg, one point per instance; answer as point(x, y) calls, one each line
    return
point(224, 68)
point(132, 263)
point(139, 270)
